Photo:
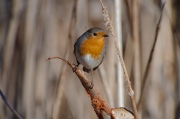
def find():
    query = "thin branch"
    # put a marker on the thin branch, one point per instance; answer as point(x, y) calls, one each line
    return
point(50, 58)
point(110, 27)
point(9, 105)
point(150, 56)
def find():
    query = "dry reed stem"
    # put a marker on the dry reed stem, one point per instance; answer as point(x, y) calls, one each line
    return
point(10, 43)
point(9, 46)
point(150, 56)
point(103, 77)
point(129, 15)
point(174, 30)
point(176, 43)
point(60, 90)
point(137, 57)
point(175, 34)
point(62, 81)
point(120, 75)
point(9, 105)
point(110, 27)
point(177, 57)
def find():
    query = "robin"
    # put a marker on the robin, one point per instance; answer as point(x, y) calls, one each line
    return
point(90, 49)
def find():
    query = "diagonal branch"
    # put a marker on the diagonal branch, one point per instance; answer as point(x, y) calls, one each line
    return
point(9, 105)
point(151, 55)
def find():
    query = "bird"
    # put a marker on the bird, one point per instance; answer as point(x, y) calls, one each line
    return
point(90, 49)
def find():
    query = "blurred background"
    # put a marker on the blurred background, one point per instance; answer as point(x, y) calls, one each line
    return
point(33, 30)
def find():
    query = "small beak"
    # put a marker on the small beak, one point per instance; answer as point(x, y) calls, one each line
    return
point(105, 35)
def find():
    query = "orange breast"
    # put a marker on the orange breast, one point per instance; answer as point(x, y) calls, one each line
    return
point(92, 46)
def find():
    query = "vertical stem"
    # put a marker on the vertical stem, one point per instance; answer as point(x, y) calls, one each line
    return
point(120, 81)
point(134, 107)
point(150, 56)
point(61, 85)
point(137, 59)
point(128, 83)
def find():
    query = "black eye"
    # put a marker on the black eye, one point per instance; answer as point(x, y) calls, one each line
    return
point(95, 34)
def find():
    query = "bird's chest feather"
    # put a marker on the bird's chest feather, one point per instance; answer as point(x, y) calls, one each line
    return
point(93, 47)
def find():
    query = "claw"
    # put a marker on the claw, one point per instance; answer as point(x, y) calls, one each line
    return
point(91, 86)
point(75, 68)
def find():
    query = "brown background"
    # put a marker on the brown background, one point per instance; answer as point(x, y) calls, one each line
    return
point(33, 30)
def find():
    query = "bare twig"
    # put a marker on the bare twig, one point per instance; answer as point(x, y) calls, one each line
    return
point(9, 105)
point(110, 27)
point(50, 58)
point(150, 56)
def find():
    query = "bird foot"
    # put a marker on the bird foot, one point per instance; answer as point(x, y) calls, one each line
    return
point(75, 68)
point(91, 85)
